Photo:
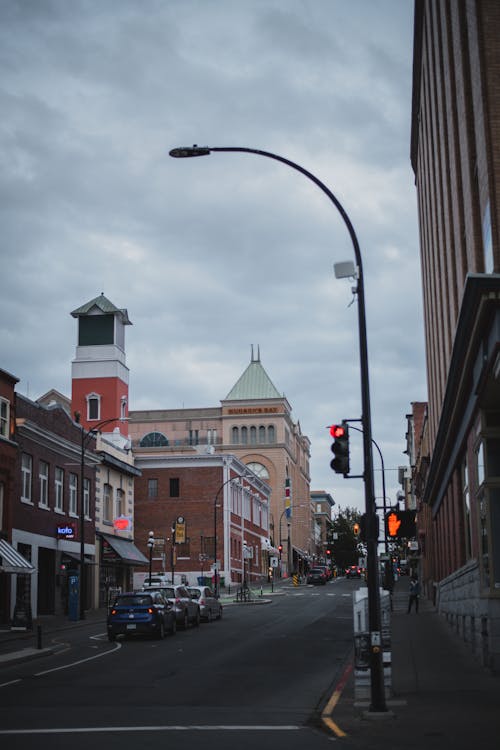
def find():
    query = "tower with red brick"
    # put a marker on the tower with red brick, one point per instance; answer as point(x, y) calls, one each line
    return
point(99, 374)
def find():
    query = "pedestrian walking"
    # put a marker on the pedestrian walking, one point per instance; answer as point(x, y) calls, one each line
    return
point(414, 593)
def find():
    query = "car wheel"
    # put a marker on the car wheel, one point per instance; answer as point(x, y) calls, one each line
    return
point(173, 626)
point(185, 622)
point(197, 619)
point(219, 616)
point(161, 631)
point(111, 637)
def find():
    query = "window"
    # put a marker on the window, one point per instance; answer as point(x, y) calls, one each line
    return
point(193, 437)
point(106, 503)
point(211, 437)
point(480, 464)
point(253, 435)
point(244, 435)
point(43, 484)
point(153, 440)
point(26, 472)
point(183, 549)
point(93, 406)
point(174, 487)
point(152, 488)
point(86, 497)
point(123, 407)
point(59, 489)
point(120, 503)
point(235, 436)
point(208, 546)
point(73, 494)
point(271, 435)
point(467, 509)
point(262, 434)
point(4, 417)
point(247, 507)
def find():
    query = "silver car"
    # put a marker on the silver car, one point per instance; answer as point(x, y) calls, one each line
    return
point(187, 610)
point(210, 607)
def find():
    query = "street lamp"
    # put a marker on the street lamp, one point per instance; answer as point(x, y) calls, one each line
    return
point(374, 614)
point(151, 544)
point(231, 479)
point(86, 438)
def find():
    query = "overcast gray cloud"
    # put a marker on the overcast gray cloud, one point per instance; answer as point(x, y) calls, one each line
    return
point(214, 254)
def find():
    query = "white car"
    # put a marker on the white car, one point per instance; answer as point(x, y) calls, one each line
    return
point(210, 606)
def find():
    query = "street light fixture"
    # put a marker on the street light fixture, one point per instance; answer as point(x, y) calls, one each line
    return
point(86, 438)
point(374, 613)
point(151, 544)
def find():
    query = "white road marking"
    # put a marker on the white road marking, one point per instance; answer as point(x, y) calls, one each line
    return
point(81, 661)
point(160, 728)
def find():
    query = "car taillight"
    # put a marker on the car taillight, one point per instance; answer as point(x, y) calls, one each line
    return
point(114, 611)
point(177, 601)
point(202, 601)
point(150, 610)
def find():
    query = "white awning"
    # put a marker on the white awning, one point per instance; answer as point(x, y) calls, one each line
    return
point(11, 561)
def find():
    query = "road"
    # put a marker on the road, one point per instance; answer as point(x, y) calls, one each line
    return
point(260, 676)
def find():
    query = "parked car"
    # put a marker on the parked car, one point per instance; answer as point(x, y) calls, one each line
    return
point(139, 613)
point(353, 571)
point(210, 606)
point(316, 576)
point(187, 610)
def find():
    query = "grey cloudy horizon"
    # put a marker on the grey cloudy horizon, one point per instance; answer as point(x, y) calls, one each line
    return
point(213, 255)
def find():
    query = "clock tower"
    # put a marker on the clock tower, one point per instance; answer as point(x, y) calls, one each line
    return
point(99, 375)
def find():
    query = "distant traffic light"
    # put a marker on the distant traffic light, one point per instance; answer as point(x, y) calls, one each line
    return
point(280, 549)
point(340, 448)
point(356, 529)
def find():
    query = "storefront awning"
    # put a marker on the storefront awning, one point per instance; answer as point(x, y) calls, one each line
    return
point(301, 553)
point(125, 549)
point(11, 561)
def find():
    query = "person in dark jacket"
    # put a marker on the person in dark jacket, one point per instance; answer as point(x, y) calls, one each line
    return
point(414, 593)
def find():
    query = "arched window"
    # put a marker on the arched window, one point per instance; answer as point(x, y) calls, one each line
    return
point(271, 435)
point(262, 434)
point(244, 435)
point(235, 436)
point(153, 440)
point(93, 406)
point(253, 435)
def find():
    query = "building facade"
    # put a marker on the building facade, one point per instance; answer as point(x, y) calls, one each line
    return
point(254, 423)
point(208, 513)
point(455, 154)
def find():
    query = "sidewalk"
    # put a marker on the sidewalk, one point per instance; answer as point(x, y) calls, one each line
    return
point(441, 696)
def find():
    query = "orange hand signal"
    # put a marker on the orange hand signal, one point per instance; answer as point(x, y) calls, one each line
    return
point(393, 523)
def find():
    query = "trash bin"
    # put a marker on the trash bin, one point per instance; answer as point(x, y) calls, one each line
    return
point(202, 581)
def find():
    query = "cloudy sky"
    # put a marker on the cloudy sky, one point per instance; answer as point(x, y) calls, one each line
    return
point(212, 255)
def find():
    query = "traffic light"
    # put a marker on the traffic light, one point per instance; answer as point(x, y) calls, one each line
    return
point(340, 448)
point(400, 524)
point(280, 549)
point(356, 529)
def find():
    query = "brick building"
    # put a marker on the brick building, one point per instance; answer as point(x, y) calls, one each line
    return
point(455, 154)
point(254, 423)
point(202, 508)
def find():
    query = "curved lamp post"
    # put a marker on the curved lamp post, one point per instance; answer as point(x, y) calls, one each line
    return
point(87, 436)
point(374, 614)
point(235, 478)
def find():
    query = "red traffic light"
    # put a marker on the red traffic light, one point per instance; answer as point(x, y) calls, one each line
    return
point(280, 547)
point(337, 430)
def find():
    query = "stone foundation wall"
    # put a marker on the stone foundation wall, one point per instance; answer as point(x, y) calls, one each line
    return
point(474, 618)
